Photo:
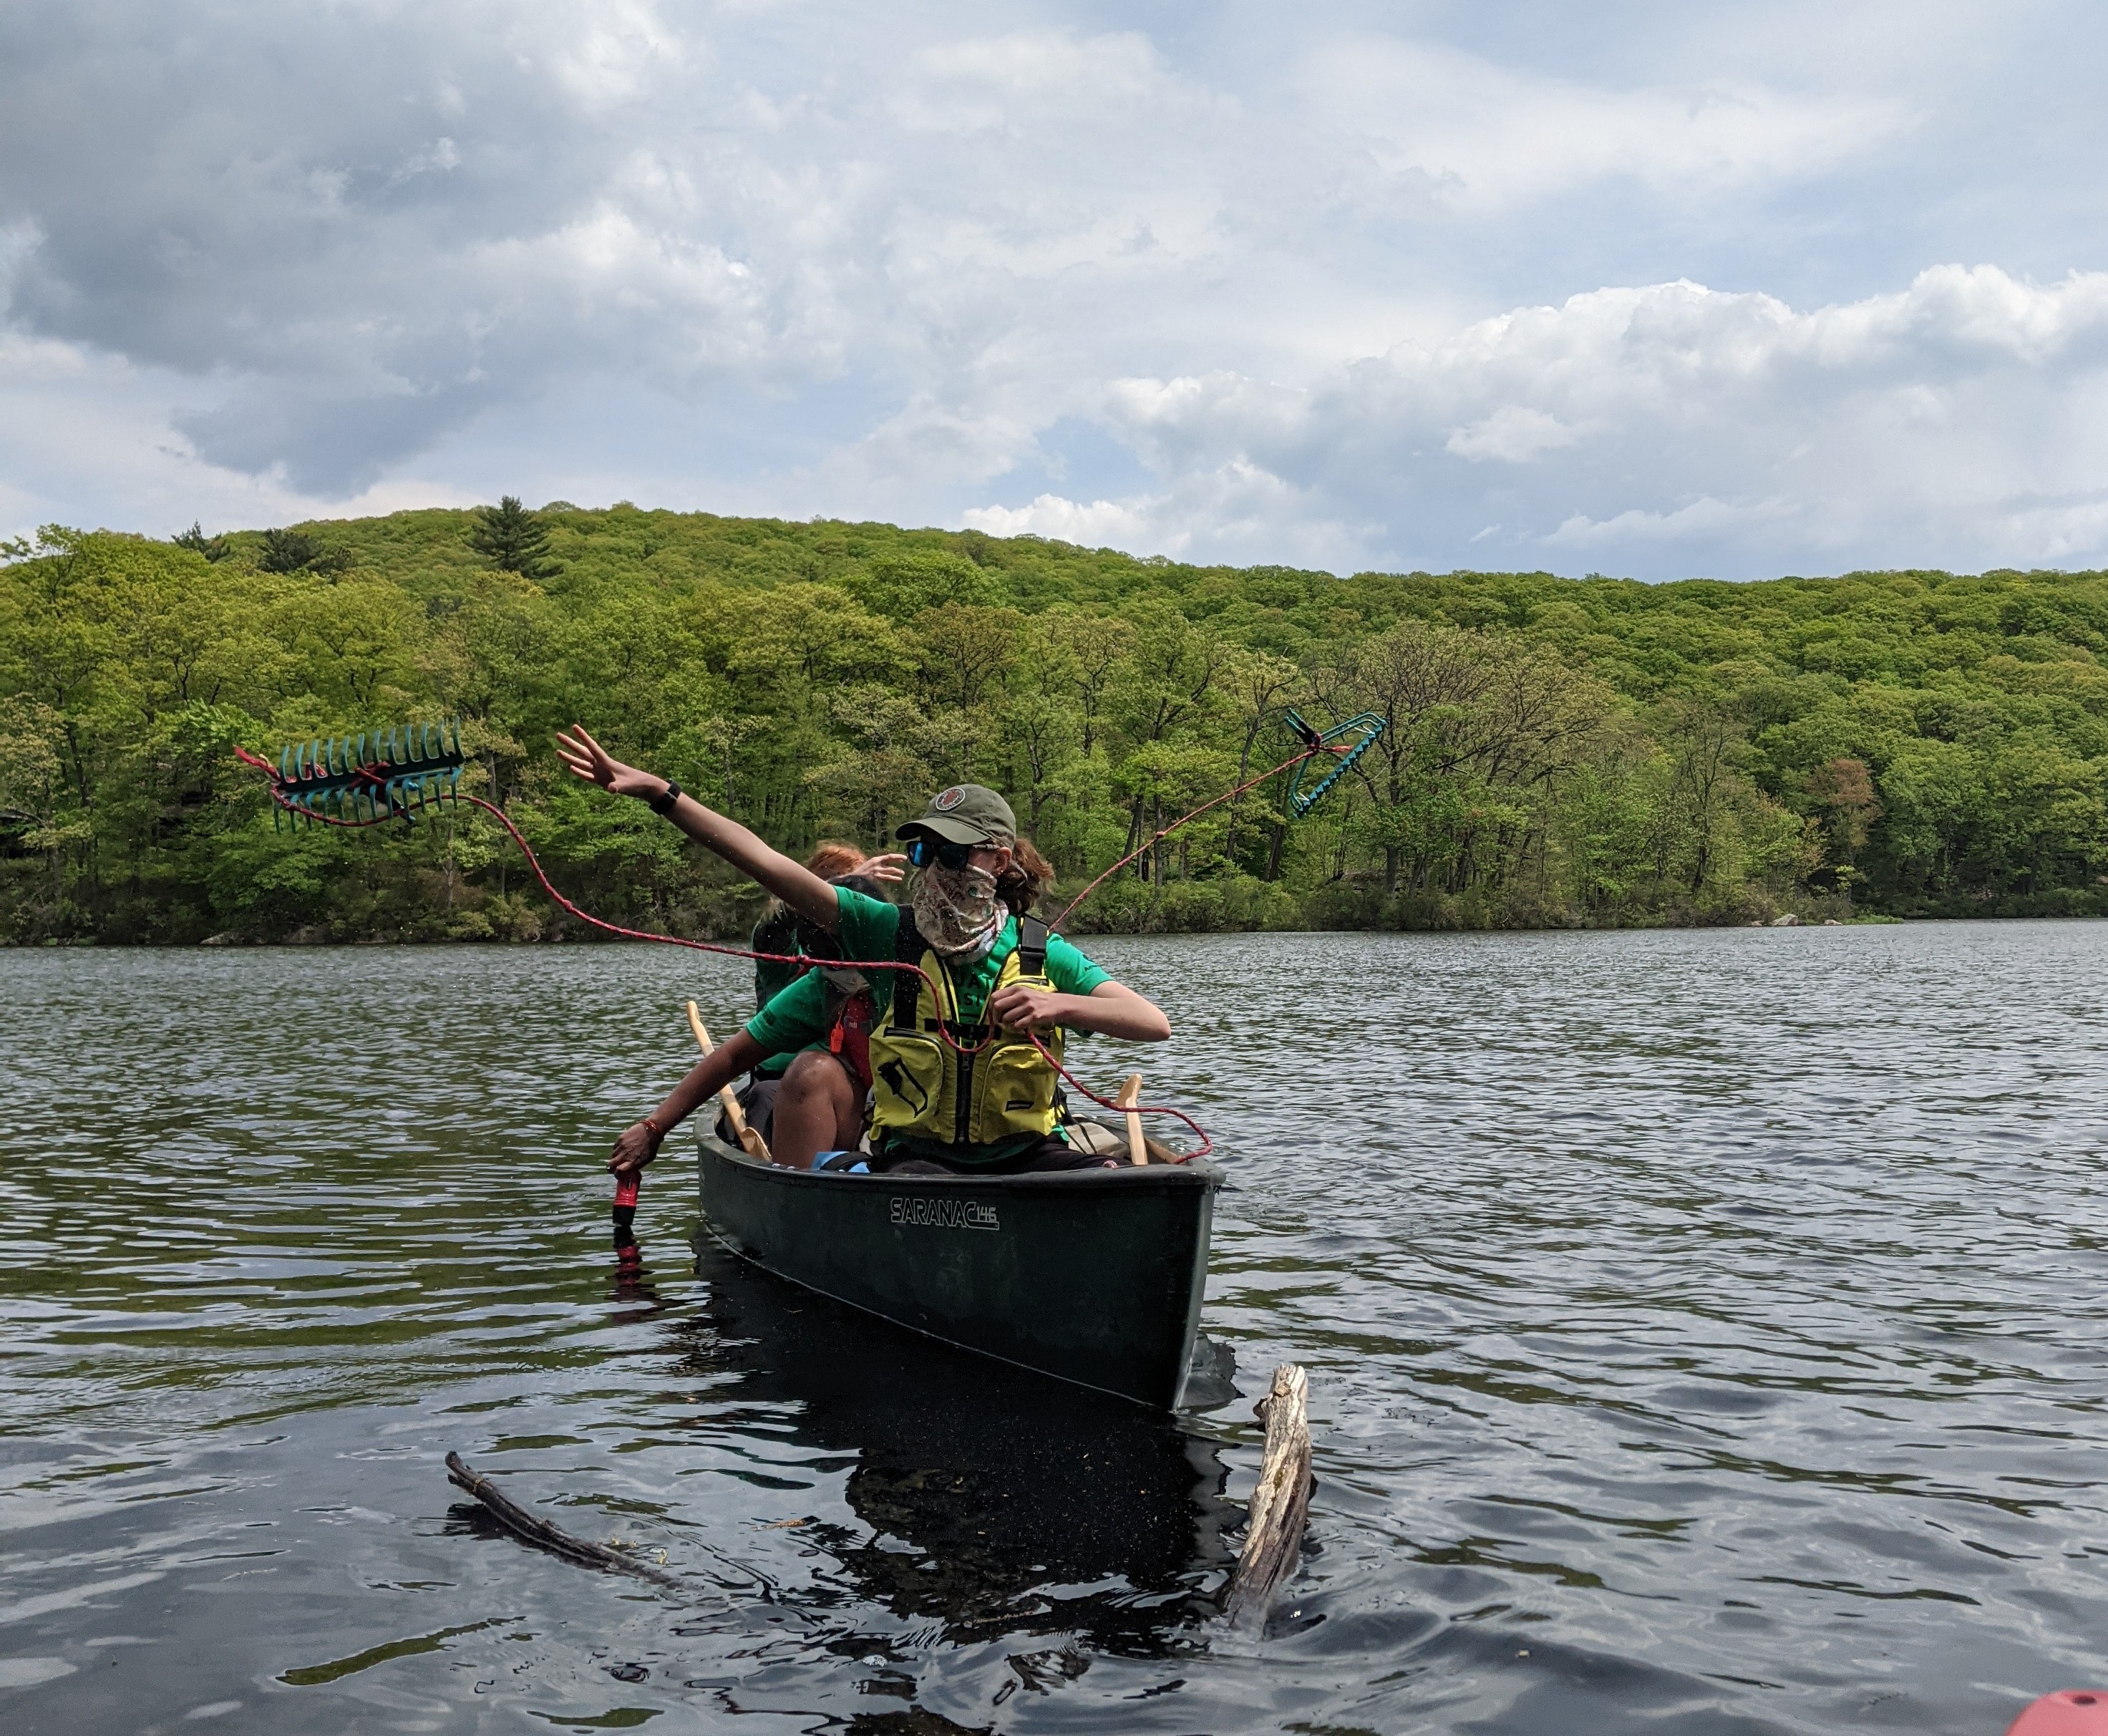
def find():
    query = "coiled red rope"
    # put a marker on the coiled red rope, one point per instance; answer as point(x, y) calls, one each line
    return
point(278, 795)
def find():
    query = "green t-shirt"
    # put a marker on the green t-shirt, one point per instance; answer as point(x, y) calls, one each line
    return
point(796, 1019)
point(777, 932)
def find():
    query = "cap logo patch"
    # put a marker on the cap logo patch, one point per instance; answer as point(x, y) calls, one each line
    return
point(947, 800)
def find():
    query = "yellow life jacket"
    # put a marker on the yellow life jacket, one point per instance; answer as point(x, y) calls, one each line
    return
point(922, 1088)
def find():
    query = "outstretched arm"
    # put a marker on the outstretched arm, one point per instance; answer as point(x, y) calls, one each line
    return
point(1112, 1009)
point(637, 1144)
point(803, 890)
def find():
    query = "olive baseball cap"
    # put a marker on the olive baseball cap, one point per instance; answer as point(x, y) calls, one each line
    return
point(966, 814)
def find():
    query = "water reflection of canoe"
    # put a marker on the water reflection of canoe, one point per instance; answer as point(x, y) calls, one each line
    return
point(1092, 1276)
point(994, 1503)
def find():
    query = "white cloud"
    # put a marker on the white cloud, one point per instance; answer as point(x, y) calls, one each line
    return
point(1473, 131)
point(1635, 527)
point(981, 83)
point(65, 402)
point(1092, 524)
point(1320, 287)
point(439, 156)
point(1512, 433)
point(1963, 418)
point(1235, 504)
point(607, 50)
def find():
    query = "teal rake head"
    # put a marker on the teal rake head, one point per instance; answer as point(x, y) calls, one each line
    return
point(1341, 746)
point(364, 780)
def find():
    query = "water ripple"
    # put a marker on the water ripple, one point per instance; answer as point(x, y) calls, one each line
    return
point(1704, 1332)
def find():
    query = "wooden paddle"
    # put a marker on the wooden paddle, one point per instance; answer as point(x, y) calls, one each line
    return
point(1130, 1094)
point(751, 1141)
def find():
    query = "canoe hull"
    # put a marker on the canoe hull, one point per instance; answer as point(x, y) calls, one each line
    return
point(1092, 1276)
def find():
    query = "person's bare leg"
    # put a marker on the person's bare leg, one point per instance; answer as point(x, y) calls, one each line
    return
point(816, 1110)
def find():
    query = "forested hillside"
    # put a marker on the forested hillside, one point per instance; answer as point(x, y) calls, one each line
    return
point(1561, 752)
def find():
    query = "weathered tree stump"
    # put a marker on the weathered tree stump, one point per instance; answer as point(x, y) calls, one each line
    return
point(1281, 1504)
point(543, 1534)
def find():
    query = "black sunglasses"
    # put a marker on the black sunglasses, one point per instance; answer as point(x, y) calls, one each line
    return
point(923, 849)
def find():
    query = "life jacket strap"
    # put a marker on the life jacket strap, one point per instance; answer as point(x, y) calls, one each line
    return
point(908, 947)
point(1032, 936)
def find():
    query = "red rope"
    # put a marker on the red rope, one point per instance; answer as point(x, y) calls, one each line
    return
point(1200, 1133)
point(534, 862)
point(1164, 832)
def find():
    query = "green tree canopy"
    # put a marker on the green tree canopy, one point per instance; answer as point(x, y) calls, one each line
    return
point(1558, 750)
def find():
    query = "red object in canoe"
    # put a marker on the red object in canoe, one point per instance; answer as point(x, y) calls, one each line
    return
point(2073, 1712)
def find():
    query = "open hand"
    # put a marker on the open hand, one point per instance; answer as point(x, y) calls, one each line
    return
point(634, 1147)
point(1026, 1009)
point(589, 761)
point(890, 868)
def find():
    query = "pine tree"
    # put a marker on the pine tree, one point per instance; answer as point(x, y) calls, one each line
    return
point(513, 538)
point(213, 548)
point(297, 551)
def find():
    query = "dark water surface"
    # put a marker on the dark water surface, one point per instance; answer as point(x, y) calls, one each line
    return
point(1708, 1332)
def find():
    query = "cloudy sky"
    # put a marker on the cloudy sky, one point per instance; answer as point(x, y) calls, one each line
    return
point(1655, 289)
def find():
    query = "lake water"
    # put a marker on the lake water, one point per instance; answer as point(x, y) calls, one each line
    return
point(1707, 1333)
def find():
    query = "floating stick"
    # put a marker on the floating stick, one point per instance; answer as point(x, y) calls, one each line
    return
point(543, 1534)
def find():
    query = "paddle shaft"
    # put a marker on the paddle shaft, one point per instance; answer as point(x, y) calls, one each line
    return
point(1130, 1094)
point(751, 1141)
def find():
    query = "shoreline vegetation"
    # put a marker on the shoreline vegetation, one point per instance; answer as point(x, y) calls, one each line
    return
point(1562, 752)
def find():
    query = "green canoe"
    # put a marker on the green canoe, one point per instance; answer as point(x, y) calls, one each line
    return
point(1093, 1276)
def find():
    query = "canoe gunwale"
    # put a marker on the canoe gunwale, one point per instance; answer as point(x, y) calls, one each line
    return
point(1198, 1173)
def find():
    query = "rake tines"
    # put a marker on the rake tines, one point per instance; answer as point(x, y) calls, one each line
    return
point(362, 780)
point(1343, 743)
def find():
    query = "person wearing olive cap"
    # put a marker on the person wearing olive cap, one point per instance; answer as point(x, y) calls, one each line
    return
point(997, 974)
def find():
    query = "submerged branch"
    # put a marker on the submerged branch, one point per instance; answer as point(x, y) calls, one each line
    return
point(539, 1532)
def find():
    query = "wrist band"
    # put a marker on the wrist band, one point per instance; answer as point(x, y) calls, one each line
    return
point(657, 1132)
point(663, 803)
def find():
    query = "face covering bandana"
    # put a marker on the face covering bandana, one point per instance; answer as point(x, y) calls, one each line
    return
point(957, 911)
